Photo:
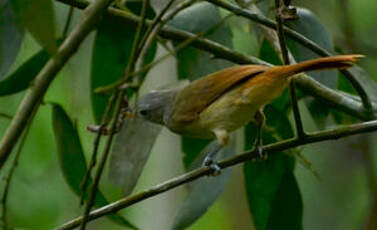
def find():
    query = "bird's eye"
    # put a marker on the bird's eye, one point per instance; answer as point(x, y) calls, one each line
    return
point(143, 112)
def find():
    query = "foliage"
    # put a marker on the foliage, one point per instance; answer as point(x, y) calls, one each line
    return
point(274, 188)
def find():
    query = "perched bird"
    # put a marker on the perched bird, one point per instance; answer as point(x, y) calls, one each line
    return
point(221, 102)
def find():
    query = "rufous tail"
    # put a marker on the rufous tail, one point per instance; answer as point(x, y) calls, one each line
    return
point(334, 62)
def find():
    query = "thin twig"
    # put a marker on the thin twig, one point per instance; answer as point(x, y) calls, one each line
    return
point(93, 160)
point(8, 179)
point(6, 116)
point(146, 68)
point(285, 56)
point(97, 177)
point(37, 90)
point(68, 21)
point(274, 148)
point(152, 31)
point(155, 22)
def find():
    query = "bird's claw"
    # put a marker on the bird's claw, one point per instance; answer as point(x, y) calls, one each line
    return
point(215, 168)
point(262, 155)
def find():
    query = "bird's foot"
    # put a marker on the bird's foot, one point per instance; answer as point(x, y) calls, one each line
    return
point(262, 155)
point(209, 162)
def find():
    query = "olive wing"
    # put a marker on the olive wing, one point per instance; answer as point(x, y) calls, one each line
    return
point(198, 95)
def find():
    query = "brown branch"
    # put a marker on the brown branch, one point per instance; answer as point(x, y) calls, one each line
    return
point(285, 56)
point(32, 99)
point(281, 146)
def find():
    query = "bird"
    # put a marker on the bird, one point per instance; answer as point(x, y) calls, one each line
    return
point(217, 104)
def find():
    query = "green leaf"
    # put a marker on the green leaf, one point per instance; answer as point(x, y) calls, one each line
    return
point(132, 147)
point(71, 155)
point(38, 17)
point(22, 77)
point(369, 85)
point(318, 110)
point(201, 18)
point(270, 184)
point(268, 53)
point(202, 193)
point(10, 36)
point(309, 25)
point(111, 53)
point(273, 194)
point(277, 123)
point(287, 205)
point(72, 159)
point(192, 147)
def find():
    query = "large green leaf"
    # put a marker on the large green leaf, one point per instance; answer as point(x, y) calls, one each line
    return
point(367, 82)
point(270, 184)
point(21, 78)
point(72, 159)
point(265, 181)
point(309, 25)
point(111, 53)
point(202, 193)
point(10, 37)
point(132, 147)
point(201, 18)
point(192, 148)
point(38, 17)
point(192, 63)
point(286, 208)
point(369, 85)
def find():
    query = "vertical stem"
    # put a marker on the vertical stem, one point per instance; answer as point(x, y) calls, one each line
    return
point(118, 106)
point(104, 122)
point(292, 87)
point(8, 180)
point(101, 166)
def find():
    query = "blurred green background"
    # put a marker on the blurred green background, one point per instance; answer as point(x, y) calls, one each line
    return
point(339, 199)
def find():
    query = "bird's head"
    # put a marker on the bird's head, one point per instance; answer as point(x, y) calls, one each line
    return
point(155, 106)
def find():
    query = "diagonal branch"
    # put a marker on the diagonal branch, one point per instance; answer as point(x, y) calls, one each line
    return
point(33, 98)
point(314, 137)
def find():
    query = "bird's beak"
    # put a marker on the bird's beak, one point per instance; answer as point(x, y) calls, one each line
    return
point(129, 113)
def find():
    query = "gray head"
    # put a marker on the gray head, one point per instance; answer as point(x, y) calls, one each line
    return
point(156, 105)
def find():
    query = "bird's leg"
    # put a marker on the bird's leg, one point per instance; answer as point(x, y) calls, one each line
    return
point(209, 161)
point(223, 139)
point(260, 120)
